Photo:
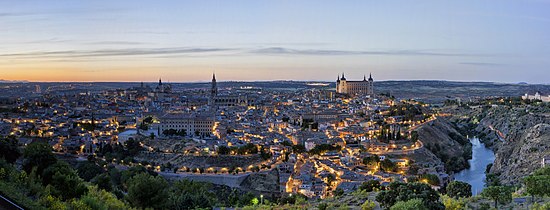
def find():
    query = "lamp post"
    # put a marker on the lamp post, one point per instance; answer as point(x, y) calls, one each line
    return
point(261, 199)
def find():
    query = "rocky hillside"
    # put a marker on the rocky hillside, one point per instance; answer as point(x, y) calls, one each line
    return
point(519, 156)
point(445, 142)
point(519, 135)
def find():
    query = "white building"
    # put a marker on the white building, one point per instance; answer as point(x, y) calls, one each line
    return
point(537, 96)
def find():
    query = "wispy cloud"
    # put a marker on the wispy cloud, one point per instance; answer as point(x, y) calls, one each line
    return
point(481, 64)
point(216, 51)
point(113, 52)
point(289, 51)
point(116, 43)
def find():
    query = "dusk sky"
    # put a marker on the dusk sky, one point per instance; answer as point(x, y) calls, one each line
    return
point(186, 41)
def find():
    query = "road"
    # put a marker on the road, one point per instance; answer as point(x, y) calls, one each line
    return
point(233, 181)
point(7, 204)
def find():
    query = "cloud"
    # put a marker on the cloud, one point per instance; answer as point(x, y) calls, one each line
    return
point(117, 43)
point(6, 14)
point(481, 64)
point(288, 51)
point(213, 51)
point(113, 52)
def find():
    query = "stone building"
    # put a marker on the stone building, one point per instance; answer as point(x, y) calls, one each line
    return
point(364, 87)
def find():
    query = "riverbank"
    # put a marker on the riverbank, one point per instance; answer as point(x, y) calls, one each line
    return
point(475, 175)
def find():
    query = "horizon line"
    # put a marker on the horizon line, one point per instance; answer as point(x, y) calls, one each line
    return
point(226, 81)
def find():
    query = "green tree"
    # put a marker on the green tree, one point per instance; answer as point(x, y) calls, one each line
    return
point(453, 204)
point(146, 191)
point(370, 185)
point(499, 194)
point(133, 146)
point(100, 199)
point(430, 179)
point(338, 192)
point(412, 204)
point(9, 149)
point(103, 182)
point(368, 205)
point(492, 180)
point(64, 180)
point(39, 155)
point(371, 161)
point(397, 191)
point(88, 170)
point(388, 166)
point(538, 183)
point(254, 201)
point(458, 189)
point(192, 195)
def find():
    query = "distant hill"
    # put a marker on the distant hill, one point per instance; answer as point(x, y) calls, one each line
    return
point(13, 81)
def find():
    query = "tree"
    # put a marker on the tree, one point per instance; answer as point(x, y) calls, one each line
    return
point(370, 185)
point(254, 201)
point(499, 194)
point(187, 194)
point(88, 170)
point(368, 205)
point(538, 183)
point(371, 161)
point(103, 181)
point(223, 150)
point(146, 191)
point(9, 149)
point(412, 204)
point(133, 146)
point(405, 191)
point(388, 166)
point(101, 199)
point(431, 179)
point(39, 155)
point(338, 192)
point(458, 189)
point(492, 180)
point(64, 180)
point(453, 204)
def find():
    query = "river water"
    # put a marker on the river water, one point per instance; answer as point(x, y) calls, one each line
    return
point(475, 175)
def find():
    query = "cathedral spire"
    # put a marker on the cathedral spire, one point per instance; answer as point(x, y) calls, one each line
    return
point(370, 77)
point(364, 78)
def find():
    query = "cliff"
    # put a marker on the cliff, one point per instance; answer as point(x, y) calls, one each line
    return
point(520, 137)
point(444, 141)
point(520, 156)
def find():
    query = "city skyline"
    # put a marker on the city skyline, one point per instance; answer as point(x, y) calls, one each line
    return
point(187, 41)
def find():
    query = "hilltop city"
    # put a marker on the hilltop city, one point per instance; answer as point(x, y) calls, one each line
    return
point(316, 143)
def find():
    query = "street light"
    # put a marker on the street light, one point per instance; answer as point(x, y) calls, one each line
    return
point(261, 199)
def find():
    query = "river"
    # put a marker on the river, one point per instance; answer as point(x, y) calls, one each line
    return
point(475, 175)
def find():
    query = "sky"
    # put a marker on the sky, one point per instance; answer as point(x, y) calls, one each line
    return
point(186, 41)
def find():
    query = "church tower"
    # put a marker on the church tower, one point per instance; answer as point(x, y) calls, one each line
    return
point(213, 91)
point(214, 88)
point(371, 86)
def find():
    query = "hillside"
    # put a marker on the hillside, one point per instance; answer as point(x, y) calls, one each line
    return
point(444, 141)
point(519, 134)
